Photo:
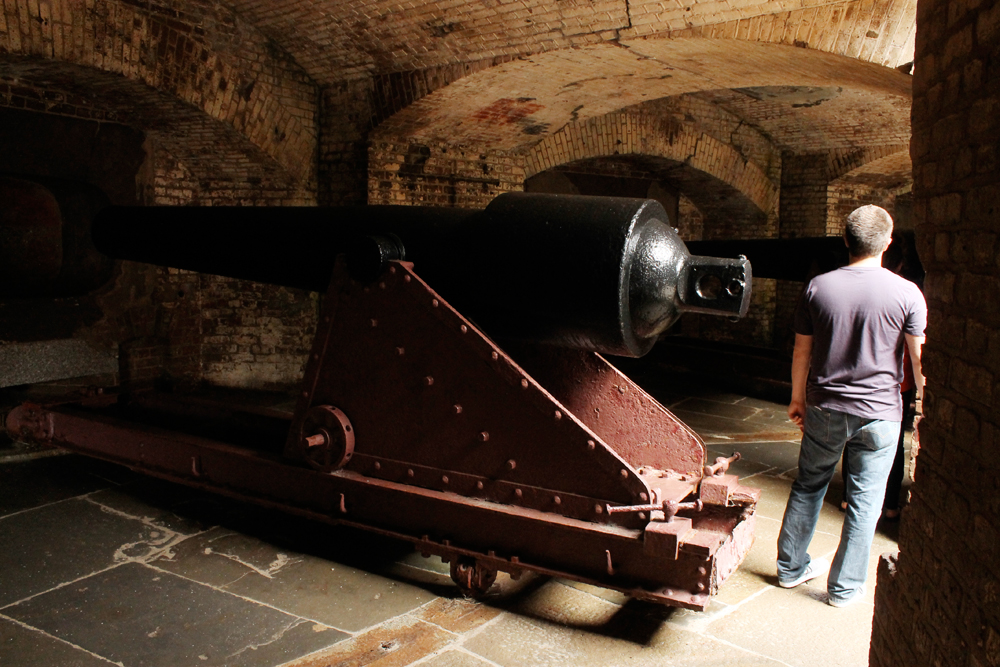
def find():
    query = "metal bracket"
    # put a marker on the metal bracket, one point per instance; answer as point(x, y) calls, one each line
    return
point(717, 487)
point(718, 490)
point(663, 538)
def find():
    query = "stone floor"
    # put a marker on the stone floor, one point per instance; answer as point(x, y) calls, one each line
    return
point(102, 566)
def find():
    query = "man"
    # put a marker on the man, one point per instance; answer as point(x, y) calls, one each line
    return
point(850, 329)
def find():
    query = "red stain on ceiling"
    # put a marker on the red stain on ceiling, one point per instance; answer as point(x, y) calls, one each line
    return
point(508, 110)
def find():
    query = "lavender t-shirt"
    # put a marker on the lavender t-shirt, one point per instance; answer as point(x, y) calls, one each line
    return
point(857, 317)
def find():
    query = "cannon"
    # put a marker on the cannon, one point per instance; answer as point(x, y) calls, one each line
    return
point(455, 395)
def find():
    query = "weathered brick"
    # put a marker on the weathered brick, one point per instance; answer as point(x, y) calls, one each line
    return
point(988, 24)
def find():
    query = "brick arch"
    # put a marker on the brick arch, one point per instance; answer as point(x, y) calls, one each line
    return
point(638, 134)
point(205, 149)
point(881, 32)
point(843, 162)
point(337, 41)
point(213, 62)
point(514, 105)
point(883, 167)
point(884, 173)
point(876, 31)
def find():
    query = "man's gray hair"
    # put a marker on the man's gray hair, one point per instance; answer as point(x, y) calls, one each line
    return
point(868, 231)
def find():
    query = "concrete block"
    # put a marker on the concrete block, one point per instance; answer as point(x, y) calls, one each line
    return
point(45, 361)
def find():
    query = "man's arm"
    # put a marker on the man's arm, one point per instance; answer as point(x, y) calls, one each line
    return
point(800, 375)
point(914, 344)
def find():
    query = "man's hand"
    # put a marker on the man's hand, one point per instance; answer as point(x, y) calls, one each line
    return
point(801, 357)
point(914, 345)
point(797, 413)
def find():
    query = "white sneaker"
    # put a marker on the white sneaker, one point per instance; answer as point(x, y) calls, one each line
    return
point(833, 602)
point(816, 568)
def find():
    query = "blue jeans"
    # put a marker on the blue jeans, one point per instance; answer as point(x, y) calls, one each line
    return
point(871, 446)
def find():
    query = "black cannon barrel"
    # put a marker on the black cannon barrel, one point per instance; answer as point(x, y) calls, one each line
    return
point(785, 259)
point(601, 273)
point(800, 259)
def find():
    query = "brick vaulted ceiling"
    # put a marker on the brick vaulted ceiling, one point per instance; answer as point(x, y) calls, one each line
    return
point(809, 74)
point(333, 39)
point(535, 95)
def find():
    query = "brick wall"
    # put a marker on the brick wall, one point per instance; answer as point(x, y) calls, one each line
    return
point(756, 329)
point(255, 335)
point(229, 119)
point(813, 186)
point(345, 121)
point(818, 191)
point(411, 173)
point(184, 327)
point(221, 330)
point(936, 602)
point(690, 221)
point(843, 198)
point(786, 298)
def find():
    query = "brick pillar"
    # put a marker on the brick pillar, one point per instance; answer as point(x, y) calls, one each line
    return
point(346, 120)
point(802, 214)
point(804, 180)
point(937, 600)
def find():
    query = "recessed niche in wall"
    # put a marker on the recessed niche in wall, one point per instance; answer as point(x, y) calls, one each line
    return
point(45, 246)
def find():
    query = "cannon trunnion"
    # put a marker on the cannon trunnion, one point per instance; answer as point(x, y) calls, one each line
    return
point(413, 422)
